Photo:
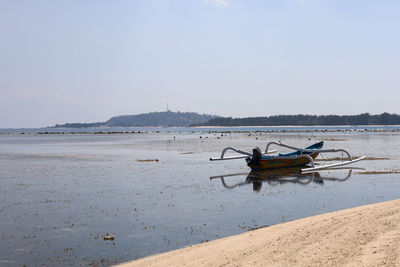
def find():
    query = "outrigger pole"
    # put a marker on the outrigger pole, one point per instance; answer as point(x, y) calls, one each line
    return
point(331, 165)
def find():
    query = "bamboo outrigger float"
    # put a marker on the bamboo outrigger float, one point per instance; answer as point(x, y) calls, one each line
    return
point(300, 157)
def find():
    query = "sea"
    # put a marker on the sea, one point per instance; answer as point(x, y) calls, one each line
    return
point(155, 190)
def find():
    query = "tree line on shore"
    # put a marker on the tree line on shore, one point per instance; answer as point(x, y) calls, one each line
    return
point(307, 120)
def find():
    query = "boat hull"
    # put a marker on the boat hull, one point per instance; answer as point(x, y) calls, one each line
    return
point(277, 162)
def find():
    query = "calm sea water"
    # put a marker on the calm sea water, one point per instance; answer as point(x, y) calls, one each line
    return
point(59, 194)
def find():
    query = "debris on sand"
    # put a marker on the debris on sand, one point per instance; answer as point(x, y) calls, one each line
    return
point(108, 237)
point(147, 160)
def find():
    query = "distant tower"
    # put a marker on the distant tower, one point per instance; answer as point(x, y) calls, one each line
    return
point(167, 107)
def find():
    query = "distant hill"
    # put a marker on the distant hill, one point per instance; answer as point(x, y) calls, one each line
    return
point(162, 119)
point(307, 120)
point(152, 119)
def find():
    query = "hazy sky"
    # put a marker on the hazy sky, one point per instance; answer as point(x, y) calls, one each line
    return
point(85, 61)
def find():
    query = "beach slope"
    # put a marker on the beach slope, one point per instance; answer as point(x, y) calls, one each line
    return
point(362, 236)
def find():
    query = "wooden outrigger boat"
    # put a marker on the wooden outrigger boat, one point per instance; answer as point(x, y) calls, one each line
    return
point(300, 157)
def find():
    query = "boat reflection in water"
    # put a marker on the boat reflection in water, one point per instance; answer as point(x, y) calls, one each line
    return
point(279, 177)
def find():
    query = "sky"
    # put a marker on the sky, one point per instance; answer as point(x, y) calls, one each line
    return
point(86, 61)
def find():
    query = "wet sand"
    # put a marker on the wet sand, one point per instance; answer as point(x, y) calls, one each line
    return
point(362, 236)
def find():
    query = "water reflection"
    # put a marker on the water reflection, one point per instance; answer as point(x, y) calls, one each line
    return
point(280, 177)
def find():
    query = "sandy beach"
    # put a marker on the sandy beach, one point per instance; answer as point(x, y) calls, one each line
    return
point(362, 236)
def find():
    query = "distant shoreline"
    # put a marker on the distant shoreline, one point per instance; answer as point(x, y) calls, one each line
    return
point(192, 119)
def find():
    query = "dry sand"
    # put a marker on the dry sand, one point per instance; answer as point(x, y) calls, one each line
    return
point(362, 236)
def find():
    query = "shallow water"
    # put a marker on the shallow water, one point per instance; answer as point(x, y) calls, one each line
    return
point(59, 194)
